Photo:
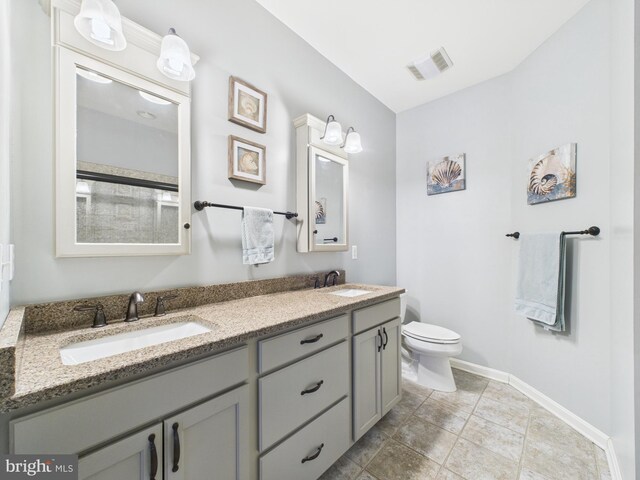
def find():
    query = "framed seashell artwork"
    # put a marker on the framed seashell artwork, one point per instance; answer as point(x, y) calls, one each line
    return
point(247, 160)
point(446, 174)
point(552, 176)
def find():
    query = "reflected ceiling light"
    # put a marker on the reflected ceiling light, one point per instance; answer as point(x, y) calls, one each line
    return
point(175, 58)
point(166, 197)
point(93, 76)
point(146, 115)
point(352, 142)
point(83, 188)
point(332, 132)
point(153, 99)
point(99, 22)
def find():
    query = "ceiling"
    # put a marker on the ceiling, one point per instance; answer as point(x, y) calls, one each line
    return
point(372, 41)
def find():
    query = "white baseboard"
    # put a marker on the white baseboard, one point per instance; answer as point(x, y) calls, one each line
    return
point(598, 437)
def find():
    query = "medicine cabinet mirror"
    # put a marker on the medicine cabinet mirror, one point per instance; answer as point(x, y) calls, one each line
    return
point(322, 190)
point(122, 160)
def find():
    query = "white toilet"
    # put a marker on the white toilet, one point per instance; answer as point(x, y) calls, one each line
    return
point(430, 347)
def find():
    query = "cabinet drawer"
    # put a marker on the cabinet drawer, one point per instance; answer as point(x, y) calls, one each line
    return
point(276, 351)
point(79, 425)
point(327, 436)
point(369, 317)
point(283, 407)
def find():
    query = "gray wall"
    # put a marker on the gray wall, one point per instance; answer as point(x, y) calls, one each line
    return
point(5, 149)
point(561, 93)
point(232, 37)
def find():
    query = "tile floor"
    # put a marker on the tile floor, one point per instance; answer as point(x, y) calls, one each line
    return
point(485, 430)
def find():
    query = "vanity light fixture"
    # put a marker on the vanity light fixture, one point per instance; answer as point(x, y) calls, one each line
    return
point(175, 58)
point(352, 143)
point(332, 132)
point(100, 23)
point(153, 99)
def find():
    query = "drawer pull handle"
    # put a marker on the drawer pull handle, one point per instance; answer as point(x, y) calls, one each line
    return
point(386, 338)
point(154, 457)
point(312, 389)
point(176, 448)
point(314, 456)
point(381, 342)
point(311, 340)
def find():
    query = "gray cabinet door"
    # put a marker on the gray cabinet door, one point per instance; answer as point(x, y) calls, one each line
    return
point(391, 377)
point(210, 440)
point(130, 458)
point(367, 408)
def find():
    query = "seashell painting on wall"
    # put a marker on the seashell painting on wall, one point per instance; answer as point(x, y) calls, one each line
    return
point(446, 174)
point(552, 176)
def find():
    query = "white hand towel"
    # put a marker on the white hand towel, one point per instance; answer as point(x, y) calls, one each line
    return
point(257, 236)
point(541, 279)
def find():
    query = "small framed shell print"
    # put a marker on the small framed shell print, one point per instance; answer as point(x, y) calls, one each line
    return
point(247, 160)
point(247, 105)
point(446, 174)
point(552, 176)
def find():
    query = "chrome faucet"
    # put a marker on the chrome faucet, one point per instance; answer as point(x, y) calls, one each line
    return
point(132, 309)
point(333, 273)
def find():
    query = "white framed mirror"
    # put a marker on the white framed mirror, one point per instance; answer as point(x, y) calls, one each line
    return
point(328, 182)
point(122, 162)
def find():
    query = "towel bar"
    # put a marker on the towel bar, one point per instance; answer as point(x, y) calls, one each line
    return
point(200, 205)
point(593, 231)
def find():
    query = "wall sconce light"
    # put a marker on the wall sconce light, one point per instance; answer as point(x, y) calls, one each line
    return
point(352, 143)
point(332, 132)
point(175, 58)
point(100, 23)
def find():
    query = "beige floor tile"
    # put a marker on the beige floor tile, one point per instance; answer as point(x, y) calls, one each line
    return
point(443, 415)
point(400, 413)
point(493, 437)
point(546, 427)
point(397, 462)
point(427, 439)
point(448, 475)
point(603, 463)
point(557, 464)
point(476, 463)
point(416, 389)
point(343, 469)
point(514, 417)
point(366, 476)
point(470, 387)
point(365, 449)
point(501, 392)
point(527, 474)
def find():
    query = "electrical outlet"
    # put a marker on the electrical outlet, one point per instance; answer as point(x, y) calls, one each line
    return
point(354, 252)
point(7, 259)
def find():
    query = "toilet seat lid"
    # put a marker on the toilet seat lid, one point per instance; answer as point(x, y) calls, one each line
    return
point(430, 333)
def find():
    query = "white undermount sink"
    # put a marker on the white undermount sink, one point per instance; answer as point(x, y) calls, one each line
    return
point(350, 292)
point(86, 351)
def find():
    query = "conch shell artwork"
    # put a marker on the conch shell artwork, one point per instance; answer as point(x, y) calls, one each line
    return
point(552, 176)
point(446, 175)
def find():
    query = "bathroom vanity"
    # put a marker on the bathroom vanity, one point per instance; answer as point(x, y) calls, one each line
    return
point(278, 388)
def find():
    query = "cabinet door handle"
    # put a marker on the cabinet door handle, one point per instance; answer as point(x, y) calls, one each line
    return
point(154, 457)
point(386, 338)
point(379, 336)
point(314, 456)
point(311, 340)
point(312, 389)
point(176, 448)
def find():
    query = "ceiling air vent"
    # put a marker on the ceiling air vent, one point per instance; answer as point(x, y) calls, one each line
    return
point(431, 65)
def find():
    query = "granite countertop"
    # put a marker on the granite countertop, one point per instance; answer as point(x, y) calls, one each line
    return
point(41, 375)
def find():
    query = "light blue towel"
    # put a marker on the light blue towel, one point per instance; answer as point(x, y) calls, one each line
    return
point(541, 280)
point(257, 236)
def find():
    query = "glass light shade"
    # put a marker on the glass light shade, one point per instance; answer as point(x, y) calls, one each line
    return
point(175, 58)
point(352, 143)
point(99, 22)
point(333, 133)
